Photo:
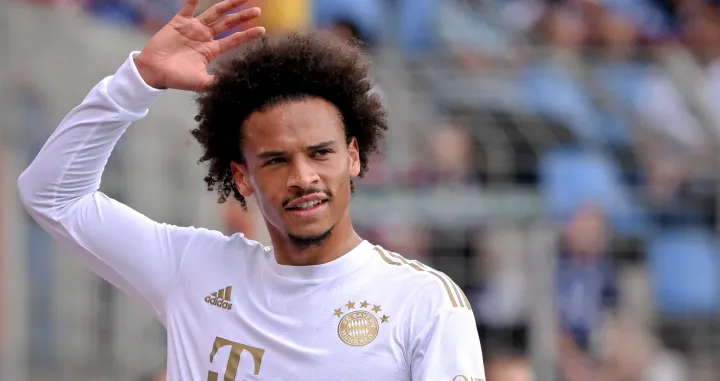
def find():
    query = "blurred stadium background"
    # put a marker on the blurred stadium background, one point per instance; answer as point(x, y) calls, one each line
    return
point(557, 158)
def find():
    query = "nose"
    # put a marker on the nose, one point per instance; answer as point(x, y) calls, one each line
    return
point(302, 175)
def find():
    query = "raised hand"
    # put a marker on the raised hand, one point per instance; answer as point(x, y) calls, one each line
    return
point(177, 56)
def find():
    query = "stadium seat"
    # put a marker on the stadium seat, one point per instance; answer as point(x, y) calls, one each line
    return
point(621, 82)
point(415, 31)
point(572, 178)
point(367, 15)
point(552, 92)
point(683, 266)
point(116, 12)
point(508, 145)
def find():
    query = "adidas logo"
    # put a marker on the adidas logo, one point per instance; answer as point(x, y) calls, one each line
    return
point(221, 298)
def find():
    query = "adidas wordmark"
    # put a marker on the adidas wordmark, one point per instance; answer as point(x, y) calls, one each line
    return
point(221, 298)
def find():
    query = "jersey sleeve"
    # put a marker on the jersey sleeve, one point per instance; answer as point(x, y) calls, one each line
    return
point(444, 341)
point(60, 191)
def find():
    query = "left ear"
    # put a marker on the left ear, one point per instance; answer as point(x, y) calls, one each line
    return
point(354, 157)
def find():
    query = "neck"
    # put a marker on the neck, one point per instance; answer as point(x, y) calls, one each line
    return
point(342, 240)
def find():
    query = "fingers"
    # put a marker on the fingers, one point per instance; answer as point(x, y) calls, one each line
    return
point(230, 21)
point(188, 9)
point(218, 10)
point(236, 39)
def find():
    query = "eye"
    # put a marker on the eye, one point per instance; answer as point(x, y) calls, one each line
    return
point(274, 161)
point(322, 153)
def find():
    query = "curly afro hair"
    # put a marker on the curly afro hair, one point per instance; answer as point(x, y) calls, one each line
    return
point(272, 70)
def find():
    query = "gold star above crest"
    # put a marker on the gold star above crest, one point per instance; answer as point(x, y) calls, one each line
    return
point(364, 304)
point(376, 308)
point(350, 305)
point(338, 312)
point(384, 319)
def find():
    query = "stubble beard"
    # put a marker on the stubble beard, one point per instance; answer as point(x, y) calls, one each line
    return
point(308, 242)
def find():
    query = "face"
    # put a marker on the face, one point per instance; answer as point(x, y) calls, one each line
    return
point(586, 232)
point(298, 166)
point(509, 370)
point(451, 147)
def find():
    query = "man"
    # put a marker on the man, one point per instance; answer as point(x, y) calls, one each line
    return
point(290, 122)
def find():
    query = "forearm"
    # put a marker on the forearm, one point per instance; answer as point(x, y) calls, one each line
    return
point(70, 164)
point(60, 190)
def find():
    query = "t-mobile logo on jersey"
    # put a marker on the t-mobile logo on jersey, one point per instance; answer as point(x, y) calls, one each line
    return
point(220, 298)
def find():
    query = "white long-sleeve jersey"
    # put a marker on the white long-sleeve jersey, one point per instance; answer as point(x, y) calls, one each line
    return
point(230, 310)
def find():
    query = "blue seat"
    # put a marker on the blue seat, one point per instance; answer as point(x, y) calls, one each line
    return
point(572, 178)
point(683, 266)
point(367, 15)
point(552, 92)
point(623, 81)
point(116, 12)
point(415, 28)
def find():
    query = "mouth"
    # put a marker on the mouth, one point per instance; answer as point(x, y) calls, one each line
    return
point(308, 205)
point(307, 202)
point(307, 210)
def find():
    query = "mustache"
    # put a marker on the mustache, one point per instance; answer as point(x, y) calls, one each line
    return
point(306, 192)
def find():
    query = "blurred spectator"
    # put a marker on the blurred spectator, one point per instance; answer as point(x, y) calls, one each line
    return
point(475, 53)
point(349, 30)
point(411, 242)
point(379, 174)
point(571, 27)
point(676, 148)
point(448, 166)
point(62, 3)
point(472, 39)
point(663, 106)
point(682, 264)
point(450, 162)
point(503, 294)
point(549, 84)
point(122, 12)
point(159, 375)
point(574, 178)
point(630, 354)
point(249, 223)
point(586, 284)
point(156, 13)
point(365, 18)
point(412, 33)
point(509, 368)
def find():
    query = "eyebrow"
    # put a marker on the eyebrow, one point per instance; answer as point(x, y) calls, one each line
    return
point(273, 154)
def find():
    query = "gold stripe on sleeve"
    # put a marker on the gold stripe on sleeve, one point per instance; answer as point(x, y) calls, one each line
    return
point(459, 293)
point(385, 258)
point(447, 288)
point(464, 302)
point(418, 268)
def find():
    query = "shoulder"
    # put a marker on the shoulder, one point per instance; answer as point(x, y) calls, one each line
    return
point(425, 285)
point(207, 246)
point(214, 238)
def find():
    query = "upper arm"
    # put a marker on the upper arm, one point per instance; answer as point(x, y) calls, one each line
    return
point(60, 190)
point(141, 257)
point(444, 341)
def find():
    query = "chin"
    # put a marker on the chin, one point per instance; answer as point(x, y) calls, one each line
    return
point(307, 238)
point(305, 232)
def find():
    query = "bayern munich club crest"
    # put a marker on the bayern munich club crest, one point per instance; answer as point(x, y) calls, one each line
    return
point(359, 326)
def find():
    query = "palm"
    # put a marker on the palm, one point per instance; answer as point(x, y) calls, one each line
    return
point(178, 55)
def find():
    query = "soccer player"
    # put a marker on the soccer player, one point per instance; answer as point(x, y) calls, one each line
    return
point(290, 121)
